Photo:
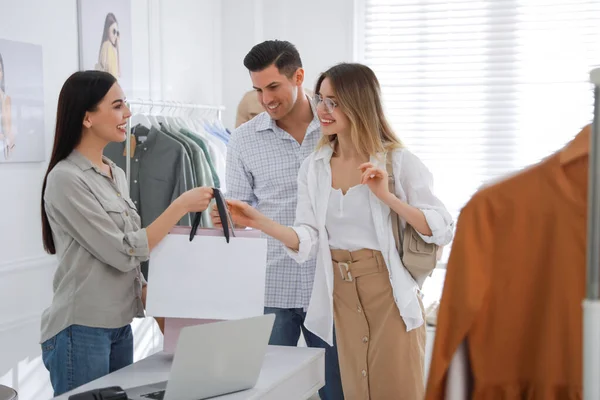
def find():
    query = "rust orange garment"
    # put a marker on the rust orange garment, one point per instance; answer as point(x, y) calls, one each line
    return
point(516, 281)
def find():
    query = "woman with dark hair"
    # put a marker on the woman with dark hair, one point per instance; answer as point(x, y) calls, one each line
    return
point(108, 58)
point(6, 134)
point(91, 224)
point(343, 219)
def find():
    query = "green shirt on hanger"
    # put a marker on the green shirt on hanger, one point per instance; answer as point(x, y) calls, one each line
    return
point(199, 164)
point(188, 149)
point(200, 142)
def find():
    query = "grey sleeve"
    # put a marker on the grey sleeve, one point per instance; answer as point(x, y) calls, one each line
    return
point(73, 206)
point(183, 183)
point(192, 176)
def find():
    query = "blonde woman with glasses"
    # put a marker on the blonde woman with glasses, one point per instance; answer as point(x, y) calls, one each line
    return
point(343, 218)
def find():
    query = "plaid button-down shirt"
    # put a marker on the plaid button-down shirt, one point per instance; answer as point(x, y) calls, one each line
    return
point(262, 169)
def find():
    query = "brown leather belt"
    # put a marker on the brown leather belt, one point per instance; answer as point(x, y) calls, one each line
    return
point(352, 264)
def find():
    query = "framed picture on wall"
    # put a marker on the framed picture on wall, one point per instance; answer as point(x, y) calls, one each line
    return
point(22, 136)
point(105, 39)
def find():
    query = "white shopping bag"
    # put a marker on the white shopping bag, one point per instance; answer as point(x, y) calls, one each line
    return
point(207, 278)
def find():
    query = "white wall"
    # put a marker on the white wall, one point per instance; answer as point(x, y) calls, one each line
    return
point(189, 33)
point(321, 30)
point(184, 50)
point(25, 272)
point(191, 50)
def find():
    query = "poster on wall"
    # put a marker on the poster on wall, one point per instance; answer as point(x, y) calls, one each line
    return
point(21, 102)
point(105, 39)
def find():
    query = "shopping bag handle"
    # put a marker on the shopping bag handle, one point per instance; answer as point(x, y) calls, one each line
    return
point(223, 215)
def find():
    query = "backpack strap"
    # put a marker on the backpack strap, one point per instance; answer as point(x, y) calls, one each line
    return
point(395, 218)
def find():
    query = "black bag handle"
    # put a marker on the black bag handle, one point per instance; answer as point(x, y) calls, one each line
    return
point(223, 215)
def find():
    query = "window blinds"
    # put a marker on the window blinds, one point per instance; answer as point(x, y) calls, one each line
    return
point(481, 88)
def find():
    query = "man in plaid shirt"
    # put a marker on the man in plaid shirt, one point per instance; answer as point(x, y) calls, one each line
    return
point(263, 159)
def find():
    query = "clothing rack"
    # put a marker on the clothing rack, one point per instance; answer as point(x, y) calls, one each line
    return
point(172, 105)
point(591, 305)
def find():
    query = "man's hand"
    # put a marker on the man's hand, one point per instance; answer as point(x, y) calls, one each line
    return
point(214, 215)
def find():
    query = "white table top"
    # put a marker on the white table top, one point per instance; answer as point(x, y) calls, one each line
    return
point(287, 372)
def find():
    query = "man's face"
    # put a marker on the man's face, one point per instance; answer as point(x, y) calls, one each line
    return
point(276, 92)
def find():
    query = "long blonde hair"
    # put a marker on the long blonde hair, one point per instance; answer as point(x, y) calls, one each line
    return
point(358, 95)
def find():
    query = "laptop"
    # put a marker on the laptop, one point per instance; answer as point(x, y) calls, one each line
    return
point(212, 360)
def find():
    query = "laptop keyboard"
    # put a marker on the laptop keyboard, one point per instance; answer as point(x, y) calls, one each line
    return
point(155, 395)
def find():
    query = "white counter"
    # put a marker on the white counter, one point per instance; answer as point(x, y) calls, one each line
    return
point(287, 373)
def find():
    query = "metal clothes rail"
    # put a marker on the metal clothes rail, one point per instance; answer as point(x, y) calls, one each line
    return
point(591, 305)
point(168, 105)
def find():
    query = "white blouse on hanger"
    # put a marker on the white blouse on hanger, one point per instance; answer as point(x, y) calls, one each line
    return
point(349, 220)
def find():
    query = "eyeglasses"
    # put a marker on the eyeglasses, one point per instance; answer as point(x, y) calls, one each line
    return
point(329, 104)
point(116, 32)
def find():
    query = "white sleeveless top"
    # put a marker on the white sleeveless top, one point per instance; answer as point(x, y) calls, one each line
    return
point(349, 220)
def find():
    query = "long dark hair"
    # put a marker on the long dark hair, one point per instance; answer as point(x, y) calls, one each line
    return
point(108, 21)
point(3, 73)
point(81, 93)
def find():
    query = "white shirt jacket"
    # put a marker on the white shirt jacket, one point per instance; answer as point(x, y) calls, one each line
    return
point(413, 185)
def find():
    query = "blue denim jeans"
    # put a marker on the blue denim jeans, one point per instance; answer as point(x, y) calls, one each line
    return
point(79, 354)
point(286, 332)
